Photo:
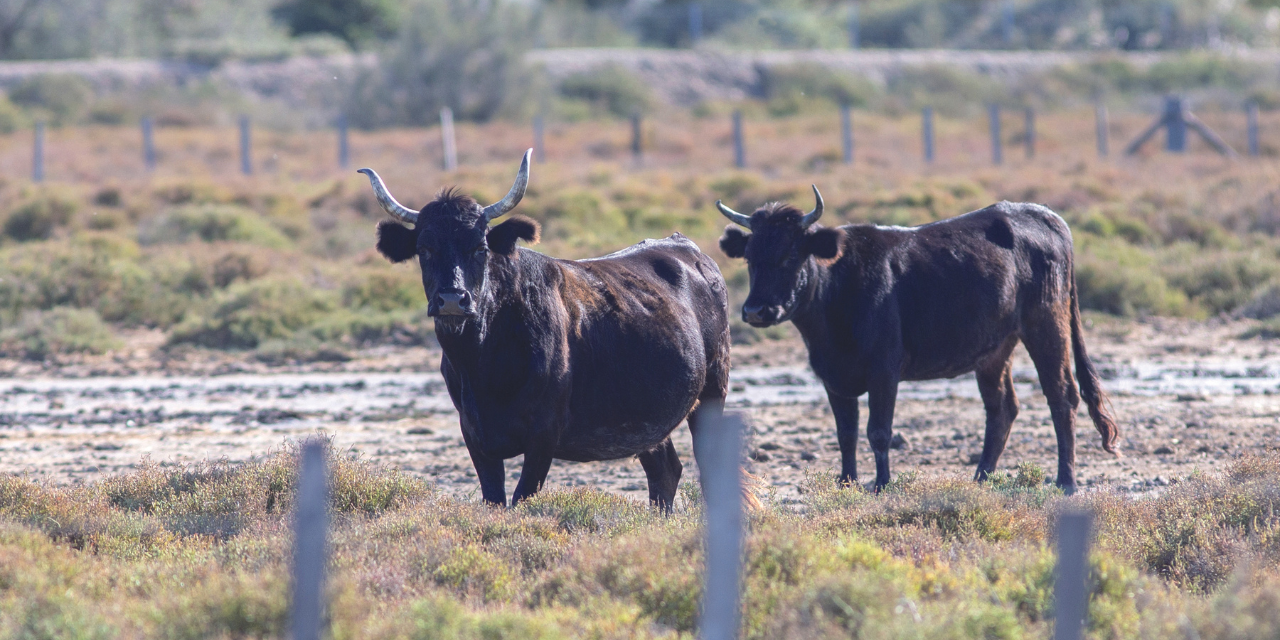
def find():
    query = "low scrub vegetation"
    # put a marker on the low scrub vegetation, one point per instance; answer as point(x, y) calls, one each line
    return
point(203, 551)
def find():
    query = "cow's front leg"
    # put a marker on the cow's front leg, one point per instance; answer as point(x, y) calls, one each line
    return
point(538, 454)
point(845, 410)
point(881, 398)
point(492, 474)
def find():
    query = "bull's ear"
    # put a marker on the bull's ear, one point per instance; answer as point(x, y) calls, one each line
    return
point(502, 238)
point(734, 242)
point(396, 241)
point(824, 244)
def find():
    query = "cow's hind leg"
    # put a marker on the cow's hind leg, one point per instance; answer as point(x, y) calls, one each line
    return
point(662, 467)
point(995, 383)
point(1047, 337)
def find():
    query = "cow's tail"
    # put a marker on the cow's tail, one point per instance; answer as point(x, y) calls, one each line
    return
point(1090, 385)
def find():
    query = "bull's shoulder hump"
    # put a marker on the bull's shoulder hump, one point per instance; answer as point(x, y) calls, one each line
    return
point(676, 245)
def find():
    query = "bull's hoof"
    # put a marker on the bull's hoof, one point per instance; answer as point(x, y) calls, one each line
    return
point(1068, 488)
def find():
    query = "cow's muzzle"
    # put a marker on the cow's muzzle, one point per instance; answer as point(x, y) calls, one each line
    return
point(758, 315)
point(452, 303)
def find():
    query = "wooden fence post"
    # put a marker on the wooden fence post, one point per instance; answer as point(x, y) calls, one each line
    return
point(447, 140)
point(695, 22)
point(853, 26)
point(538, 153)
point(310, 544)
point(846, 132)
point(1176, 124)
point(926, 117)
point(637, 135)
point(1071, 588)
point(37, 154)
point(246, 151)
point(344, 147)
point(997, 144)
point(1031, 133)
point(1102, 128)
point(148, 144)
point(1251, 120)
point(739, 147)
point(719, 445)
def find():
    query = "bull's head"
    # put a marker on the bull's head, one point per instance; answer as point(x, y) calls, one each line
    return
point(454, 244)
point(779, 250)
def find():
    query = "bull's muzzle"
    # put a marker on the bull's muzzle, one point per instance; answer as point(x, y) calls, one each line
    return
point(758, 315)
point(453, 303)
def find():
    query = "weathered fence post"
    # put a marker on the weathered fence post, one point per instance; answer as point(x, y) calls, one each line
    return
point(1071, 589)
point(997, 146)
point(695, 22)
point(538, 153)
point(310, 544)
point(719, 445)
point(1031, 133)
point(846, 132)
point(447, 140)
point(1101, 128)
point(37, 154)
point(246, 152)
point(637, 135)
point(1251, 120)
point(1176, 126)
point(739, 147)
point(148, 144)
point(1175, 120)
point(1006, 21)
point(344, 146)
point(926, 117)
point(853, 26)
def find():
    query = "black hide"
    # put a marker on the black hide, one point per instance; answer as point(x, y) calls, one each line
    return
point(936, 301)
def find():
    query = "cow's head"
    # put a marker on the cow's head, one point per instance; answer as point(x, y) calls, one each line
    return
point(454, 244)
point(781, 244)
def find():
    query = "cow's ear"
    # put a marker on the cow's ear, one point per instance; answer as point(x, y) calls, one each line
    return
point(396, 241)
point(734, 242)
point(502, 238)
point(824, 244)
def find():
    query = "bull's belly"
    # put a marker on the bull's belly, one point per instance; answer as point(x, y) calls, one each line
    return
point(591, 438)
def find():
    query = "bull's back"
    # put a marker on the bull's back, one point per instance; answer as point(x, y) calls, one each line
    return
point(644, 325)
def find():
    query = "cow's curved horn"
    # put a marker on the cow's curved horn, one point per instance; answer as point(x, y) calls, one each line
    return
point(389, 204)
point(736, 217)
point(514, 195)
point(812, 216)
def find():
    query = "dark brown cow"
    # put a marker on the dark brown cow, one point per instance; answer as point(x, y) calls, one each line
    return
point(879, 305)
point(578, 360)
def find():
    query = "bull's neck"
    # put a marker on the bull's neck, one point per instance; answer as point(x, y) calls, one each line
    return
point(817, 281)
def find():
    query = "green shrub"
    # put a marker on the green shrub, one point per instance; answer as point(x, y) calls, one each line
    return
point(211, 223)
point(58, 331)
point(248, 314)
point(1118, 278)
point(63, 99)
point(11, 117)
point(789, 88)
point(610, 89)
point(37, 219)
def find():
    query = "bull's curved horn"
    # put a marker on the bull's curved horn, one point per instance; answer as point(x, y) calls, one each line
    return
point(389, 204)
point(514, 195)
point(812, 216)
point(736, 217)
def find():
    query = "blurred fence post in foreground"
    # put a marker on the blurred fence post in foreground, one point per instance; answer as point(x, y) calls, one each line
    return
point(246, 151)
point(1251, 121)
point(739, 147)
point(1101, 128)
point(846, 132)
point(344, 146)
point(538, 153)
point(637, 135)
point(148, 144)
point(37, 154)
point(997, 147)
point(695, 22)
point(1031, 133)
point(719, 446)
point(310, 544)
point(926, 126)
point(1070, 588)
point(449, 143)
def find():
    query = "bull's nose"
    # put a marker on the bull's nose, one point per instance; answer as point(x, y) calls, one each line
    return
point(751, 314)
point(454, 303)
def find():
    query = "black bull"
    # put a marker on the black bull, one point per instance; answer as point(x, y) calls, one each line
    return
point(879, 305)
point(578, 360)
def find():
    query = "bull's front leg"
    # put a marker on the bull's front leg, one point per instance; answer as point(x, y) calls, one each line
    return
point(539, 451)
point(492, 474)
point(881, 398)
point(845, 410)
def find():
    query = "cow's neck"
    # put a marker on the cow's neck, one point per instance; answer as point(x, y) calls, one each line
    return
point(809, 308)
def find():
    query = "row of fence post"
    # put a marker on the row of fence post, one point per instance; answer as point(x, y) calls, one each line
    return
point(1175, 120)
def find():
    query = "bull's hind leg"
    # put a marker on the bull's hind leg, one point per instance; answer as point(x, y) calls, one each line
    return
point(995, 383)
point(1047, 337)
point(662, 467)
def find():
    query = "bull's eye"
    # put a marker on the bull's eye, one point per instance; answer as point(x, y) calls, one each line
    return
point(426, 253)
point(480, 250)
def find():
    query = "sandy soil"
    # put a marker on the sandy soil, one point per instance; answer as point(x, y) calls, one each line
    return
point(1189, 396)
